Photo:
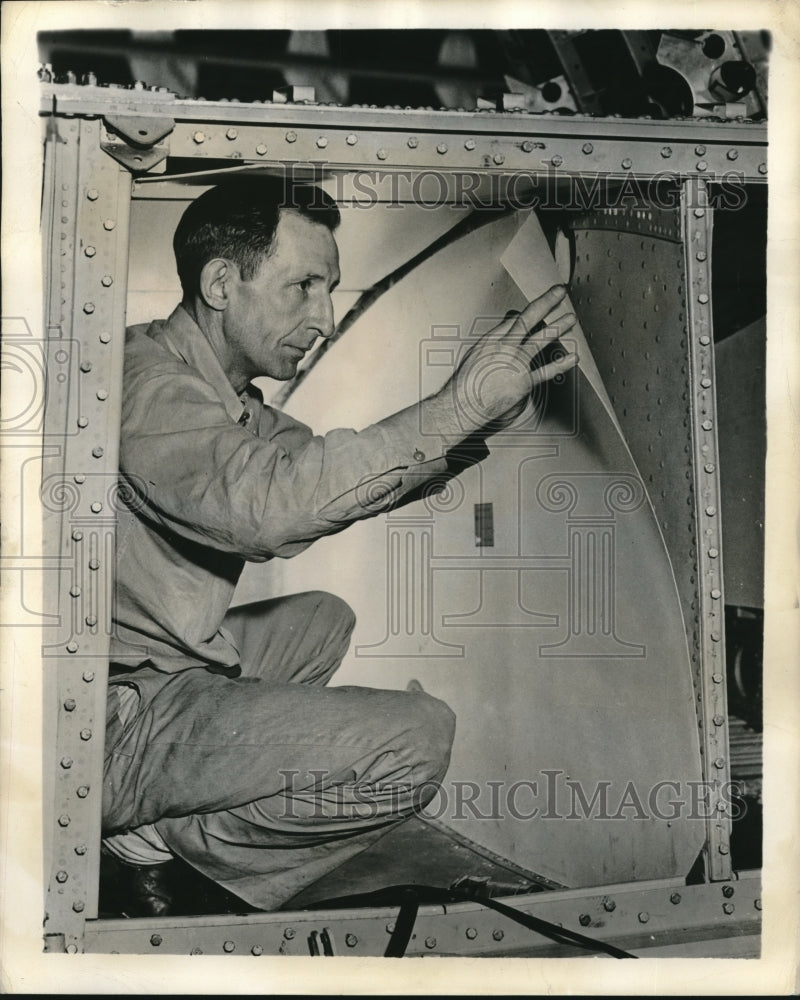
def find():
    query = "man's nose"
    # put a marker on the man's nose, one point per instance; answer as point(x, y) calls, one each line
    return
point(323, 316)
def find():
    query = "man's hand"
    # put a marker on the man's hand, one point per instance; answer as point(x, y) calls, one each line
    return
point(494, 379)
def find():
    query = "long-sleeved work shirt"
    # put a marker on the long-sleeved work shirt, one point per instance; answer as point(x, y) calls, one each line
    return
point(212, 478)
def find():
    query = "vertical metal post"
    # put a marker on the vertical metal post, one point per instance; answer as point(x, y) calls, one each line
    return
point(696, 214)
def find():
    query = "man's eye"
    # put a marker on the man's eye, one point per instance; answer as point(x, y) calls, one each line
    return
point(305, 286)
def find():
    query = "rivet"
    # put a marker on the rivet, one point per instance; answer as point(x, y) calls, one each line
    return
point(498, 935)
point(557, 160)
point(699, 213)
point(381, 154)
point(199, 137)
point(109, 224)
point(757, 903)
point(584, 920)
point(91, 621)
point(155, 940)
point(72, 646)
point(78, 906)
point(430, 942)
point(700, 150)
point(718, 720)
point(666, 152)
point(291, 136)
point(352, 139)
point(627, 163)
point(719, 763)
point(83, 791)
point(675, 898)
point(499, 158)
point(322, 141)
point(61, 876)
point(102, 395)
point(701, 255)
point(390, 927)
point(587, 148)
point(728, 891)
point(90, 251)
point(413, 142)
point(609, 905)
point(70, 705)
point(92, 194)
point(88, 308)
point(288, 933)
point(350, 940)
point(66, 763)
point(716, 594)
point(77, 535)
point(86, 367)
point(81, 849)
point(83, 421)
point(527, 146)
point(702, 298)
point(86, 734)
point(705, 383)
point(72, 949)
point(96, 507)
point(94, 564)
point(441, 148)
point(228, 946)
point(261, 149)
point(644, 916)
point(711, 511)
point(105, 338)
point(97, 452)
point(728, 907)
point(232, 133)
point(702, 165)
point(762, 168)
point(733, 154)
point(74, 591)
point(471, 933)
point(106, 281)
point(709, 467)
point(470, 144)
point(713, 553)
point(63, 820)
point(723, 849)
point(88, 676)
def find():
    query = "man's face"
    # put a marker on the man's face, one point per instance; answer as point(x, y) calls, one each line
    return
point(274, 319)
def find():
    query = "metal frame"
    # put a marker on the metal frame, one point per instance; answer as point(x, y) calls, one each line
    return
point(96, 139)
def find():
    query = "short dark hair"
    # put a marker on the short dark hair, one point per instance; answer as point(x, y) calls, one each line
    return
point(237, 220)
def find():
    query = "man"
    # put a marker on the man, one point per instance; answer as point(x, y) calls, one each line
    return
point(224, 746)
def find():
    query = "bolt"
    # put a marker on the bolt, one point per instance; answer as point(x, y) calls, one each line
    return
point(733, 154)
point(88, 308)
point(702, 298)
point(228, 946)
point(705, 383)
point(88, 676)
point(557, 160)
point(291, 136)
point(102, 395)
point(155, 940)
point(72, 949)
point(350, 940)
point(716, 594)
point(81, 849)
point(75, 592)
point(609, 905)
point(96, 507)
point(97, 452)
point(441, 148)
point(83, 421)
point(78, 906)
point(109, 224)
point(90, 251)
point(83, 791)
point(352, 139)
point(718, 720)
point(675, 898)
point(63, 820)
point(705, 341)
point(470, 144)
point(471, 933)
point(413, 142)
point(762, 168)
point(498, 935)
point(699, 213)
point(719, 763)
point(61, 876)
point(584, 920)
point(723, 849)
point(711, 511)
point(757, 903)
point(70, 705)
point(288, 933)
point(499, 158)
point(702, 255)
point(322, 142)
point(106, 281)
point(627, 163)
point(261, 149)
point(728, 907)
point(92, 194)
point(381, 154)
point(527, 146)
point(702, 165)
point(587, 148)
point(86, 735)
point(86, 367)
point(644, 916)
point(105, 338)
point(700, 150)
point(390, 928)
point(430, 942)
point(72, 646)
point(666, 152)
point(232, 133)
point(199, 137)
point(91, 621)
point(77, 535)
point(728, 891)
point(94, 564)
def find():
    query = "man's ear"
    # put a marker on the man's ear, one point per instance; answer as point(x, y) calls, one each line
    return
point(214, 280)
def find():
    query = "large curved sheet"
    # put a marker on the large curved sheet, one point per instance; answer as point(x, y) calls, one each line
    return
point(561, 646)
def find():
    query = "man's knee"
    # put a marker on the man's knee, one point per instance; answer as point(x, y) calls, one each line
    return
point(335, 611)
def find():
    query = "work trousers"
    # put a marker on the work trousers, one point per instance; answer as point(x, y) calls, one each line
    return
point(268, 781)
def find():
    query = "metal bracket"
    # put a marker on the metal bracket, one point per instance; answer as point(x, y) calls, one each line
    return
point(136, 142)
